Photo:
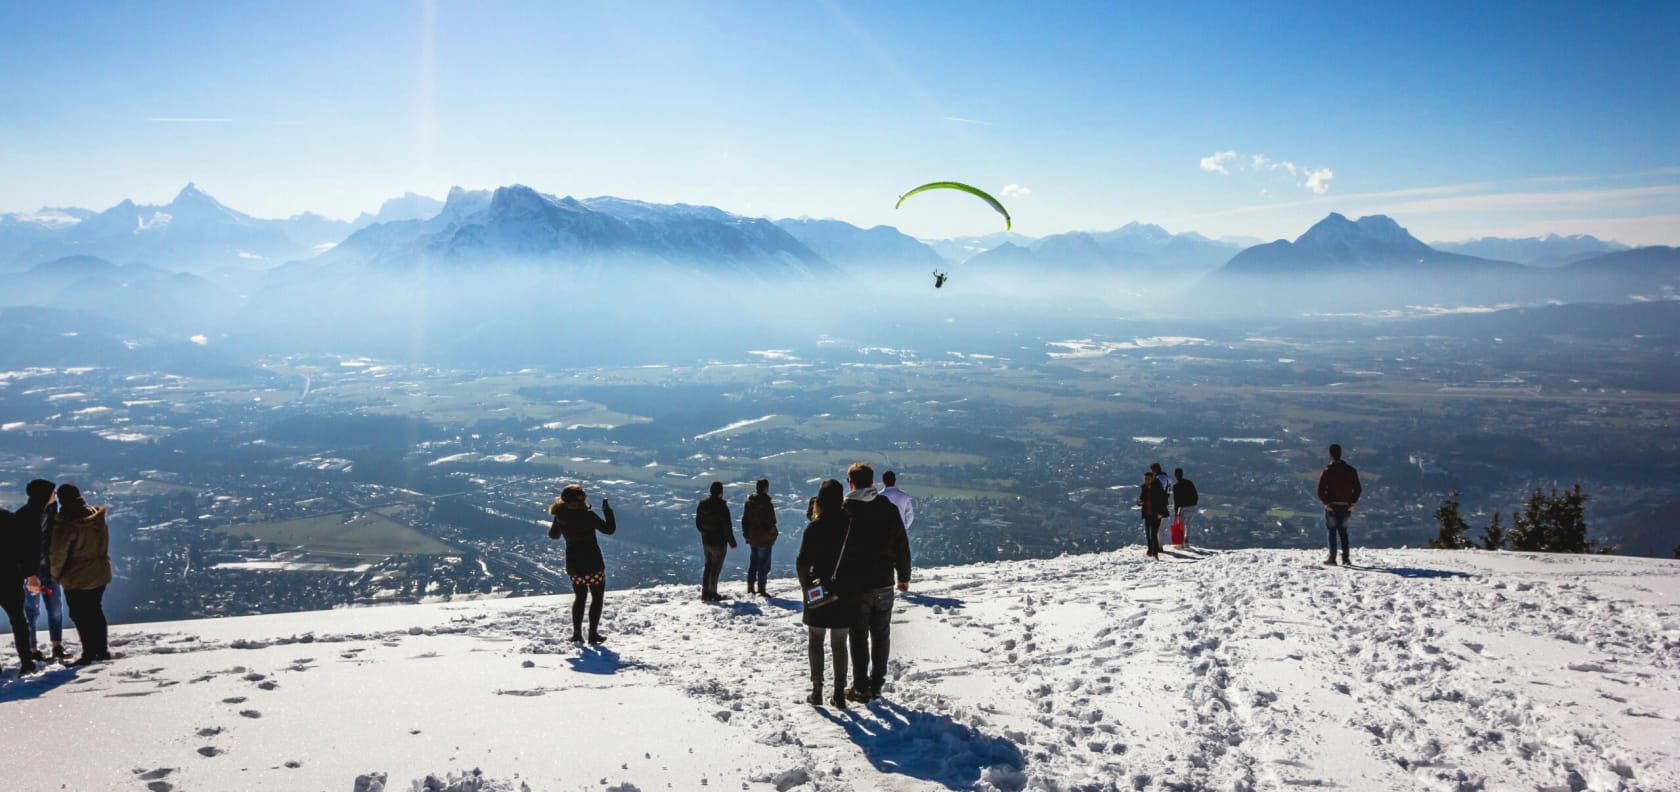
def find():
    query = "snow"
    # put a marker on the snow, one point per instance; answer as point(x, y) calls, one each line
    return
point(734, 426)
point(1232, 670)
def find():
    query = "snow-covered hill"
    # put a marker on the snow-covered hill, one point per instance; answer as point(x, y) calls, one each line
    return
point(1214, 670)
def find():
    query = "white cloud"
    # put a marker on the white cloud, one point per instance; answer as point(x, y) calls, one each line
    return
point(199, 340)
point(1013, 190)
point(1224, 162)
point(1215, 163)
point(1318, 180)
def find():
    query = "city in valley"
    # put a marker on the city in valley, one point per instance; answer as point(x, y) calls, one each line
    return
point(303, 482)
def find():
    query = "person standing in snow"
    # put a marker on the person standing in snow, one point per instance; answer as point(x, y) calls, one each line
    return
point(1152, 504)
point(1161, 477)
point(717, 537)
point(758, 528)
point(14, 567)
point(38, 513)
point(878, 550)
point(81, 563)
point(1338, 490)
point(574, 522)
point(820, 562)
point(906, 504)
point(1184, 500)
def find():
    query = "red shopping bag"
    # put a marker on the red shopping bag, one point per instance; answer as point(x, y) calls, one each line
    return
point(1177, 531)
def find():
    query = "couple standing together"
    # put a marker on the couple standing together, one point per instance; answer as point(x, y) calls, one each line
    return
point(853, 555)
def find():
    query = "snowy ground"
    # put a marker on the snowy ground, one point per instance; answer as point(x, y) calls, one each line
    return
point(1227, 670)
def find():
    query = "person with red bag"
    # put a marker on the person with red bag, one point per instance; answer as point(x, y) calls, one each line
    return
point(1184, 498)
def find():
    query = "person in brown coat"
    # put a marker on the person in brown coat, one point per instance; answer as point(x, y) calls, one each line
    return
point(81, 563)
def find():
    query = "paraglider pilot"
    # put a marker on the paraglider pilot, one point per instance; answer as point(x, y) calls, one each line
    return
point(938, 279)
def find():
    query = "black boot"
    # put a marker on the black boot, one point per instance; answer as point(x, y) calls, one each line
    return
point(839, 699)
point(815, 699)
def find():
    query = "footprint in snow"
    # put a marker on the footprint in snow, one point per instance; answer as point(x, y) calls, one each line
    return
point(234, 700)
point(250, 714)
point(154, 775)
point(209, 751)
point(209, 731)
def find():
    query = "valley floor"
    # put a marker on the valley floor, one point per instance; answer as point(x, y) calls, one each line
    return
point(1229, 670)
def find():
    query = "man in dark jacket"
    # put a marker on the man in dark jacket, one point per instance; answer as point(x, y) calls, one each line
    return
point(43, 590)
point(877, 551)
point(1152, 504)
point(14, 567)
point(758, 528)
point(1184, 500)
point(1338, 490)
point(717, 536)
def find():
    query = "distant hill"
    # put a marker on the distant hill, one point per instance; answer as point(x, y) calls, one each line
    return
point(867, 250)
point(519, 224)
point(1130, 249)
point(193, 232)
point(1374, 244)
point(1547, 251)
point(1373, 263)
point(409, 206)
point(961, 249)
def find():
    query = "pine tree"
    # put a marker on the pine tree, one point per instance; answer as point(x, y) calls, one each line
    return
point(1552, 523)
point(1493, 536)
point(1677, 551)
point(1453, 526)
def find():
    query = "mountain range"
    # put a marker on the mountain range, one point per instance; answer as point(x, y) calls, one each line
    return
point(1373, 263)
point(1373, 259)
point(1550, 250)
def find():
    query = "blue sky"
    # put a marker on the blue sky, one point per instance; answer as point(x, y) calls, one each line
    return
point(1230, 119)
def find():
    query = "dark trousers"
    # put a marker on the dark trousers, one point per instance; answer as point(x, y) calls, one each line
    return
point(1152, 532)
point(836, 646)
point(580, 596)
point(714, 567)
point(11, 600)
point(87, 610)
point(871, 639)
point(1335, 523)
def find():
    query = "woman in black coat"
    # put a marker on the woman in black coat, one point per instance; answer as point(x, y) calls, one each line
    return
point(818, 564)
point(577, 524)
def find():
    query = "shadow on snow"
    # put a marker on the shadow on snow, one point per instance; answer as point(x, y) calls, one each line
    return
point(932, 747)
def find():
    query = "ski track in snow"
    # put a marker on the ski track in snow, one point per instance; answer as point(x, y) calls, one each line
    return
point(1218, 670)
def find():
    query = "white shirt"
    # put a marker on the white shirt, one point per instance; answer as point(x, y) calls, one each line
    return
point(905, 504)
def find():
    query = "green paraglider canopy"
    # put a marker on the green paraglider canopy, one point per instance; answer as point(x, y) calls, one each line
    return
point(951, 185)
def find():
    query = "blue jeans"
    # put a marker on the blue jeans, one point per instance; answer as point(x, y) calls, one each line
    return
point(1335, 523)
point(55, 611)
point(758, 566)
point(871, 638)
